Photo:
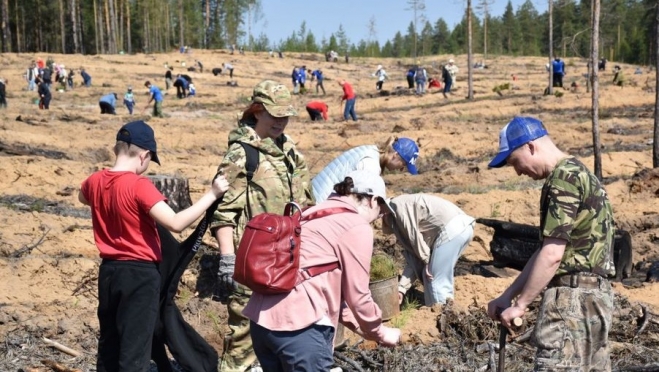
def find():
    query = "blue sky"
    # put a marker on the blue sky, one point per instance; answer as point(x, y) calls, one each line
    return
point(281, 17)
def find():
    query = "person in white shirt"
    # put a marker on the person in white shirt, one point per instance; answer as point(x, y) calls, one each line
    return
point(381, 74)
point(433, 232)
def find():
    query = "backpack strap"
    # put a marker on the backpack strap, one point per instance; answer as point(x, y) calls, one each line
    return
point(309, 272)
point(252, 159)
point(251, 163)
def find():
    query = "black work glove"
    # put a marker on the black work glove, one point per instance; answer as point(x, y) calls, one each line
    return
point(225, 273)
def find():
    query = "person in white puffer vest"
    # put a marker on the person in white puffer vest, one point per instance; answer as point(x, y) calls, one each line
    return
point(394, 154)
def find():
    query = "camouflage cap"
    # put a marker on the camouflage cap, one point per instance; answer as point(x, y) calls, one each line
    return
point(275, 97)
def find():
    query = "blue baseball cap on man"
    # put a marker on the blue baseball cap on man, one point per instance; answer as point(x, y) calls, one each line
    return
point(141, 135)
point(517, 133)
point(408, 151)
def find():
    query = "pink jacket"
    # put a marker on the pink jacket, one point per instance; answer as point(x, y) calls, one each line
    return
point(346, 238)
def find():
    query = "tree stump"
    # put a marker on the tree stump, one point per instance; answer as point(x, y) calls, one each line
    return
point(175, 189)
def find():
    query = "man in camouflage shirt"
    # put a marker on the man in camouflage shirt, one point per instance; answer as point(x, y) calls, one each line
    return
point(576, 257)
point(280, 177)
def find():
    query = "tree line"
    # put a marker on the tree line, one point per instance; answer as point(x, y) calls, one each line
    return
point(628, 29)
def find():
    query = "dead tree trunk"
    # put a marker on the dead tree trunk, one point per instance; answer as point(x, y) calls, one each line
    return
point(594, 82)
point(97, 42)
point(181, 40)
point(18, 26)
point(470, 55)
point(551, 48)
point(74, 26)
point(62, 27)
point(6, 31)
point(175, 189)
point(655, 145)
point(128, 35)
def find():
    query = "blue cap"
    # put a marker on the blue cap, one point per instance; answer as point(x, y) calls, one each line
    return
point(517, 133)
point(409, 152)
point(141, 135)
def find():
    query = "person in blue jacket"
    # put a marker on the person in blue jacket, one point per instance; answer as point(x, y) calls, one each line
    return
point(107, 103)
point(86, 78)
point(181, 85)
point(295, 77)
point(318, 75)
point(558, 67)
point(410, 77)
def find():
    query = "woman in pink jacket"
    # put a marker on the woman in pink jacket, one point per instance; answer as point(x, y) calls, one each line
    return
point(295, 331)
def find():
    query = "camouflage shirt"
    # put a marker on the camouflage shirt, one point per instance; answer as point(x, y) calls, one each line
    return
point(574, 207)
point(269, 189)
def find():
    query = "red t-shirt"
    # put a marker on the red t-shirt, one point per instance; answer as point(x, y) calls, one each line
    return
point(120, 203)
point(320, 106)
point(348, 93)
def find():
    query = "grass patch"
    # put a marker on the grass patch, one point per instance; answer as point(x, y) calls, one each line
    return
point(215, 319)
point(184, 296)
point(408, 309)
point(382, 267)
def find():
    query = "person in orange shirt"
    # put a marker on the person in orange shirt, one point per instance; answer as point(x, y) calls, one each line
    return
point(349, 97)
point(317, 110)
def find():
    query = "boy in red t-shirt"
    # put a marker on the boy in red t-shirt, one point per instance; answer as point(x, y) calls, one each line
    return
point(125, 208)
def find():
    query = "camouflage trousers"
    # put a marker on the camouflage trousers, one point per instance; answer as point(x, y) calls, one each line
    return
point(238, 353)
point(572, 329)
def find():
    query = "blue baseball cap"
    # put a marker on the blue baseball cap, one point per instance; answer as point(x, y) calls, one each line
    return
point(517, 133)
point(408, 151)
point(141, 135)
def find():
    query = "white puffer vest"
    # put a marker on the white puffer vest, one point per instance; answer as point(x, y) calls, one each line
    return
point(323, 183)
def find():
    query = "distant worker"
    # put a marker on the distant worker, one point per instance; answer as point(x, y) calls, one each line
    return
point(86, 78)
point(559, 71)
point(3, 93)
point(381, 74)
point(156, 98)
point(318, 75)
point(168, 78)
point(420, 77)
point(129, 100)
point(107, 103)
point(228, 67)
point(44, 95)
point(182, 86)
point(350, 98)
point(618, 77)
point(434, 83)
point(410, 78)
point(317, 110)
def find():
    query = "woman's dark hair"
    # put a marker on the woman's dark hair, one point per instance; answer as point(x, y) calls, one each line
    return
point(249, 115)
point(343, 188)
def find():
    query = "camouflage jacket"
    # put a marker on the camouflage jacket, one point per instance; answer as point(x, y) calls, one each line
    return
point(574, 207)
point(269, 189)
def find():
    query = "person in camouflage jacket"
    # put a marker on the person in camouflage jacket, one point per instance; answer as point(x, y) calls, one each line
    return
point(577, 228)
point(280, 177)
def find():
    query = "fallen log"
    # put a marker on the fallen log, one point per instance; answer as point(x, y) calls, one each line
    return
point(513, 244)
point(20, 149)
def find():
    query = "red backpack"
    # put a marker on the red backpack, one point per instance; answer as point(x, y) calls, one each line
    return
point(268, 257)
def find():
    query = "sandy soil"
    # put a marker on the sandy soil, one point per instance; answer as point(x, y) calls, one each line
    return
point(51, 291)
